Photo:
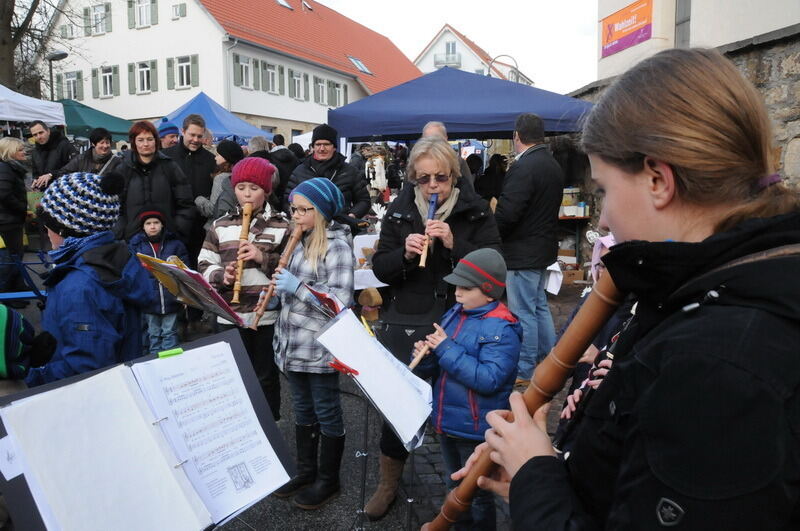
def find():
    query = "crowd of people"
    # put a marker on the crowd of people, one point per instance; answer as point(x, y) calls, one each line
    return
point(695, 386)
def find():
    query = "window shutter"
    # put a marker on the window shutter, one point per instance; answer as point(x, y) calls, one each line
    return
point(316, 90)
point(153, 12)
point(131, 78)
point(306, 95)
point(195, 61)
point(290, 79)
point(87, 21)
point(170, 73)
point(115, 79)
point(59, 86)
point(182, 12)
point(237, 71)
point(344, 91)
point(256, 66)
point(131, 14)
point(95, 84)
point(153, 75)
point(281, 87)
point(107, 18)
point(63, 30)
point(264, 76)
point(331, 94)
point(79, 85)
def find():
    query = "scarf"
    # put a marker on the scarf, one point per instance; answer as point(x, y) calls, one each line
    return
point(326, 168)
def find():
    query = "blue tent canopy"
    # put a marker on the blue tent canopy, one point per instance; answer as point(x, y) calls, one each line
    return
point(470, 105)
point(223, 124)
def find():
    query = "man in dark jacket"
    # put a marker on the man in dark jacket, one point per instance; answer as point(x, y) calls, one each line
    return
point(197, 165)
point(51, 153)
point(326, 162)
point(527, 217)
point(285, 161)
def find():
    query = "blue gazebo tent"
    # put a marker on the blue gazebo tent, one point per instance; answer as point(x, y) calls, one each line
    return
point(222, 123)
point(470, 105)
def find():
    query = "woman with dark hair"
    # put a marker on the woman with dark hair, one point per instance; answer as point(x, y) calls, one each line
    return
point(696, 424)
point(490, 184)
point(418, 296)
point(152, 178)
point(93, 160)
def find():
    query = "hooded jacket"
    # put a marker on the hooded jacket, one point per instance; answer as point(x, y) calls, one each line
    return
point(413, 291)
point(161, 185)
point(697, 424)
point(51, 156)
point(13, 196)
point(343, 175)
point(478, 363)
point(163, 302)
point(95, 294)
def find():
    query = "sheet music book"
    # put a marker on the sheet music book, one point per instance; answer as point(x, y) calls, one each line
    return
point(189, 286)
point(172, 443)
point(404, 400)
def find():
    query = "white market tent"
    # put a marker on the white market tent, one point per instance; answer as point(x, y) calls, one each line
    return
point(15, 107)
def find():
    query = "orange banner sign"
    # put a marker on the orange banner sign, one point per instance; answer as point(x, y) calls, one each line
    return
point(627, 27)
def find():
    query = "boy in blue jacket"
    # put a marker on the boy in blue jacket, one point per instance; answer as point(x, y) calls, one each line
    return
point(162, 315)
point(477, 351)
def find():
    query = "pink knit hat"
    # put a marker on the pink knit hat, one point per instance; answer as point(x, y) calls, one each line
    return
point(253, 170)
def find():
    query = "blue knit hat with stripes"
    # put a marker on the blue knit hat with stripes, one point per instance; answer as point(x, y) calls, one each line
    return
point(83, 203)
point(323, 194)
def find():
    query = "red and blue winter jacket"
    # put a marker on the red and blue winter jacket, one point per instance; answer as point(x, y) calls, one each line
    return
point(478, 363)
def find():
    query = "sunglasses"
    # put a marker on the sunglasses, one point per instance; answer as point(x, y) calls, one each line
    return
point(440, 178)
point(300, 210)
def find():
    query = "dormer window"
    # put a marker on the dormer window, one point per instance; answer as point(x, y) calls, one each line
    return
point(359, 64)
point(285, 4)
point(307, 6)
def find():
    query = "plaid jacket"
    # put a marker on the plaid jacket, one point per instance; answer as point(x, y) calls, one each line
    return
point(268, 232)
point(299, 321)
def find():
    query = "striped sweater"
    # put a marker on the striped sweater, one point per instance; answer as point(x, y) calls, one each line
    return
point(268, 231)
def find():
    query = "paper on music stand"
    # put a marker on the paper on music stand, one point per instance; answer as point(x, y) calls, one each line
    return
point(114, 451)
point(211, 424)
point(403, 399)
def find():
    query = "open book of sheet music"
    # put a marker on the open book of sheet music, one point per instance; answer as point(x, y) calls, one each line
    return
point(172, 443)
point(402, 398)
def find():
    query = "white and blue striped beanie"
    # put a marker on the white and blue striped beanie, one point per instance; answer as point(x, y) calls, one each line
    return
point(323, 194)
point(84, 203)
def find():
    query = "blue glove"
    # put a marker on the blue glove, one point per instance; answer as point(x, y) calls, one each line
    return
point(273, 303)
point(286, 282)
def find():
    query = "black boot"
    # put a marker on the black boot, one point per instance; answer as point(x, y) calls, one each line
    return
point(306, 439)
point(327, 484)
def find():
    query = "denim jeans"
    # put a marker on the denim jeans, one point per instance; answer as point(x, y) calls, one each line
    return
point(162, 331)
point(527, 300)
point(455, 452)
point(316, 398)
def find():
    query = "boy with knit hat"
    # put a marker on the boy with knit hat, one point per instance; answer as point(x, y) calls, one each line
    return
point(97, 288)
point(161, 316)
point(252, 182)
point(477, 353)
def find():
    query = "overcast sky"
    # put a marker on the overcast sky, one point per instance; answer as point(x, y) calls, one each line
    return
point(553, 41)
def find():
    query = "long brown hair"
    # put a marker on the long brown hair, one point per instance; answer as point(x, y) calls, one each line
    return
point(694, 110)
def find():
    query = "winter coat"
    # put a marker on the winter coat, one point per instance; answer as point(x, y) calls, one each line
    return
point(300, 318)
point(344, 176)
point(160, 185)
point(268, 232)
point(13, 195)
point(85, 163)
point(527, 210)
point(696, 425)
point(52, 156)
point(222, 201)
point(163, 302)
point(478, 363)
point(417, 295)
point(95, 295)
point(197, 166)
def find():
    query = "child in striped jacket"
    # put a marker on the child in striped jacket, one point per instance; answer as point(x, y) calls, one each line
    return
point(252, 183)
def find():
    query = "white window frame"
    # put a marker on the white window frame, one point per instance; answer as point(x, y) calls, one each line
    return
point(176, 11)
point(142, 13)
point(143, 81)
point(322, 88)
point(106, 82)
point(450, 47)
point(272, 78)
point(69, 31)
point(339, 91)
point(297, 79)
point(245, 67)
point(183, 72)
point(98, 15)
point(358, 63)
point(71, 85)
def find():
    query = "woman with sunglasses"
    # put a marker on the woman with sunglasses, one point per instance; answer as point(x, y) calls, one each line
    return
point(418, 296)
